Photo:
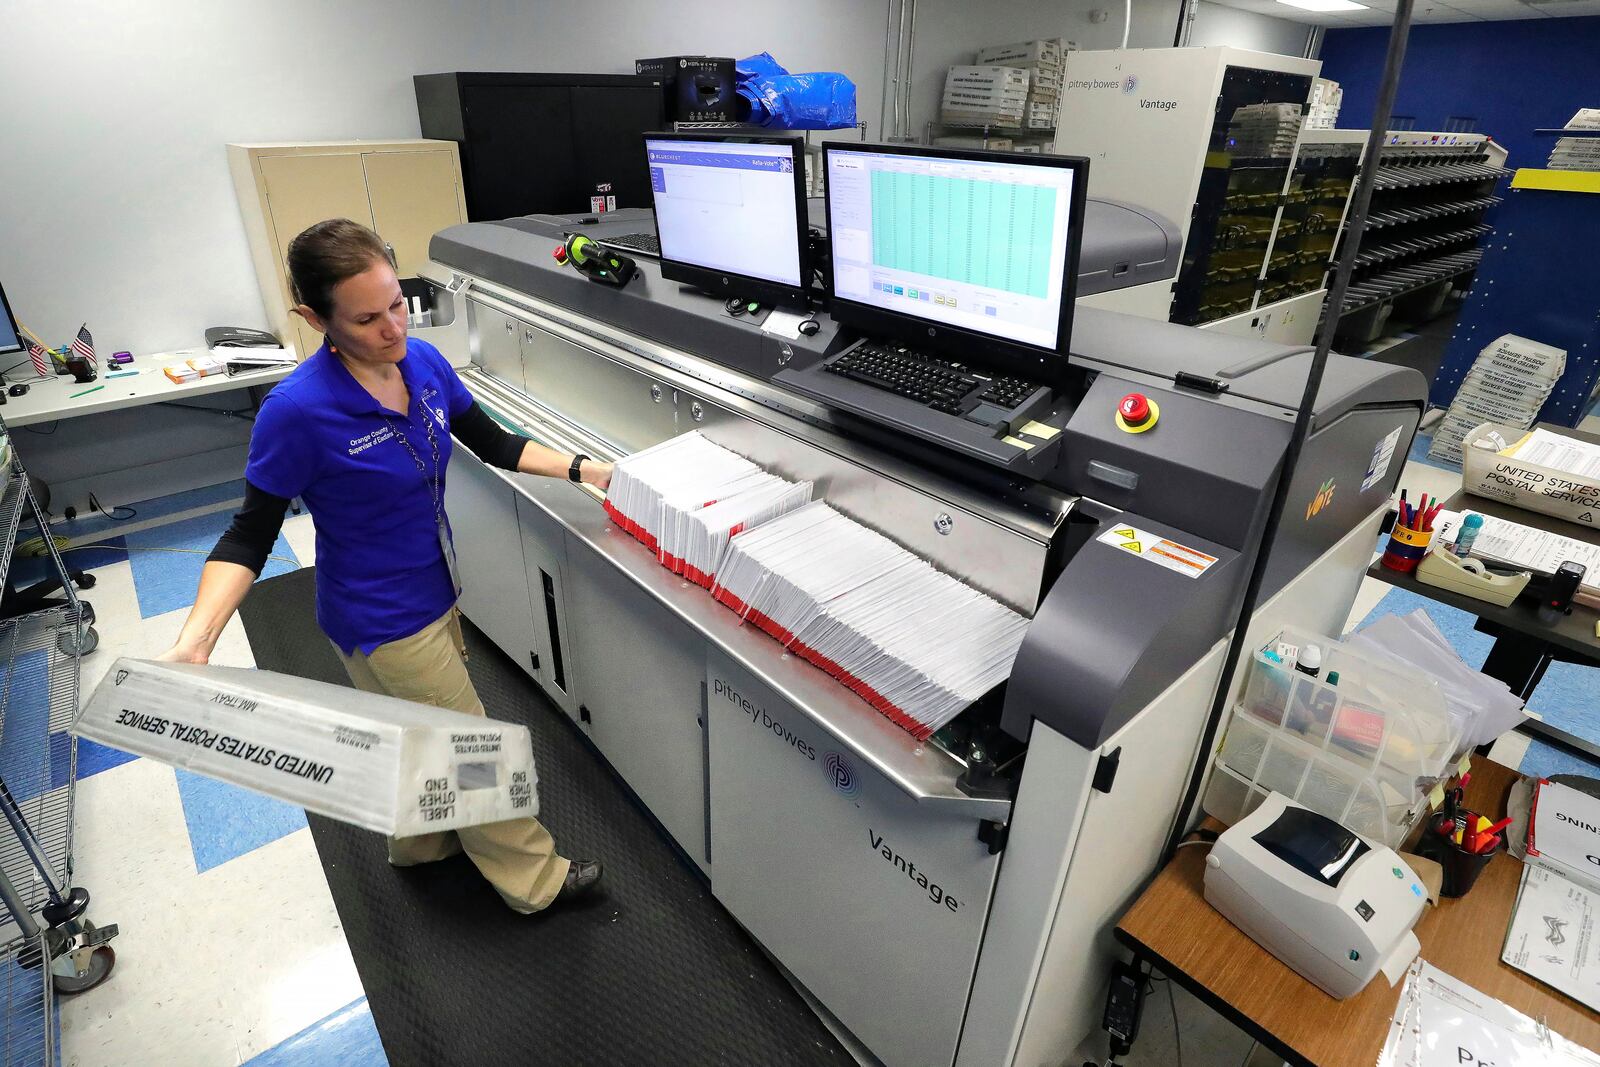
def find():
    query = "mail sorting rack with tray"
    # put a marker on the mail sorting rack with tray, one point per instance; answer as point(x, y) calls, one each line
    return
point(1424, 229)
point(1361, 742)
point(47, 943)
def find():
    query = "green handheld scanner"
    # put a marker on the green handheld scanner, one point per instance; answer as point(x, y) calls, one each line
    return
point(596, 261)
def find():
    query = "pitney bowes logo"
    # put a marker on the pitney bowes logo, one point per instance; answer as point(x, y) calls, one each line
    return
point(1323, 498)
point(841, 775)
point(1129, 84)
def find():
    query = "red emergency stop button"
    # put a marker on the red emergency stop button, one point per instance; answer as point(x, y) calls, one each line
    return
point(560, 253)
point(1137, 413)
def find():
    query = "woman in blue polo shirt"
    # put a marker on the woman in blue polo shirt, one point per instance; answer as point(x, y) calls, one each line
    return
point(361, 432)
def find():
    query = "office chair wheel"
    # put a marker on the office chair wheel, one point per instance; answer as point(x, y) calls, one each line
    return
point(85, 580)
point(101, 961)
point(82, 645)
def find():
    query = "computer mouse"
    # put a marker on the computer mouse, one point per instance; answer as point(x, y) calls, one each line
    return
point(18, 390)
point(809, 327)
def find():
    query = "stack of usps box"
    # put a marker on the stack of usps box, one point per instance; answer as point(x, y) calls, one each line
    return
point(984, 96)
point(1578, 153)
point(1043, 59)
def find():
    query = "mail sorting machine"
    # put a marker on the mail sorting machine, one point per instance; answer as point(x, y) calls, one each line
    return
point(947, 902)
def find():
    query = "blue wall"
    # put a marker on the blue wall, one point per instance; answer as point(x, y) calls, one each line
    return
point(1513, 76)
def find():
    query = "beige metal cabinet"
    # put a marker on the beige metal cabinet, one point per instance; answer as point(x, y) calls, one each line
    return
point(406, 190)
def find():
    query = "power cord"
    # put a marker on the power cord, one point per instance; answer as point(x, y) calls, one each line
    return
point(111, 513)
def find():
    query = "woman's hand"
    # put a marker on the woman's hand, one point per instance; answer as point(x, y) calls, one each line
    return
point(595, 473)
point(185, 653)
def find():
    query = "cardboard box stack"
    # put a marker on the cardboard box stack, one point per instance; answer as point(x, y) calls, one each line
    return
point(993, 144)
point(985, 96)
point(1509, 382)
point(1323, 111)
point(1578, 153)
point(1264, 131)
point(1044, 60)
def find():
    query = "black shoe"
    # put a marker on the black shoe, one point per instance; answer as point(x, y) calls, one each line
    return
point(582, 877)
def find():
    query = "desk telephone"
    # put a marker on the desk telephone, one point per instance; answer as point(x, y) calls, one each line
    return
point(239, 337)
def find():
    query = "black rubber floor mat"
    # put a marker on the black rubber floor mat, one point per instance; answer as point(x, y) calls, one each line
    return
point(652, 971)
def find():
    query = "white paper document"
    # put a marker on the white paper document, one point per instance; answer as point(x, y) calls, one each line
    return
point(1552, 935)
point(1511, 544)
point(1443, 1022)
point(1558, 451)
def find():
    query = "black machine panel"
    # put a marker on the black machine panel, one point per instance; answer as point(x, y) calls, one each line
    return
point(543, 143)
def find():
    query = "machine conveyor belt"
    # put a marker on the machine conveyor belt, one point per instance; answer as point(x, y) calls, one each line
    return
point(923, 770)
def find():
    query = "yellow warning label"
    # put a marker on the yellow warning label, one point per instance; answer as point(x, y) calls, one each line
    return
point(1162, 551)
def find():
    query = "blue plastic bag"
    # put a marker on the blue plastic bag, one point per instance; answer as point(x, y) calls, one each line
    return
point(785, 101)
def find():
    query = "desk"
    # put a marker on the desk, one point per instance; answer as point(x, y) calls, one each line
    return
point(1172, 927)
point(48, 401)
point(1524, 644)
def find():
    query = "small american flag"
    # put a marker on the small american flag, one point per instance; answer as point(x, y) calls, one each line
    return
point(41, 359)
point(83, 344)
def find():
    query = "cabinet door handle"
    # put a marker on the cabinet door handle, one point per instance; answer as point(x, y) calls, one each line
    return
point(534, 656)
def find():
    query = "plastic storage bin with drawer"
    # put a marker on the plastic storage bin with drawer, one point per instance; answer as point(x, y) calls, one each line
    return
point(1361, 743)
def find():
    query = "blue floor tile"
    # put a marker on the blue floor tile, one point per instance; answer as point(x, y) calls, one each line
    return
point(25, 749)
point(225, 821)
point(1544, 759)
point(166, 580)
point(23, 1022)
point(94, 757)
point(348, 1037)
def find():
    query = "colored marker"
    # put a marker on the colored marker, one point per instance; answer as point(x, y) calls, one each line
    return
point(86, 392)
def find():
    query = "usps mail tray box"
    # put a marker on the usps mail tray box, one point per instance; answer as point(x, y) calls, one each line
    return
point(374, 761)
point(1487, 472)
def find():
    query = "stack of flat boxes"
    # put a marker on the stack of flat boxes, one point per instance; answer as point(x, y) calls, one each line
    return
point(1264, 131)
point(1323, 111)
point(1578, 153)
point(1043, 60)
point(984, 96)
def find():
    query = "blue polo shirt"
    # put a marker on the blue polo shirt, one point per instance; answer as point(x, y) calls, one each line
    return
point(320, 436)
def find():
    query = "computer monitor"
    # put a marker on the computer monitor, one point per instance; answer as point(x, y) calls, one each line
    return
point(730, 213)
point(966, 254)
point(10, 338)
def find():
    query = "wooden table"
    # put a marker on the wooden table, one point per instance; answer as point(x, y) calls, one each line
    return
point(1172, 927)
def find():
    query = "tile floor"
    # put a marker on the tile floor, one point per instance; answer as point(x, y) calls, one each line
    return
point(231, 951)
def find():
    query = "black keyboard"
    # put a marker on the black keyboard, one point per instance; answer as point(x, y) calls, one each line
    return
point(635, 242)
point(947, 387)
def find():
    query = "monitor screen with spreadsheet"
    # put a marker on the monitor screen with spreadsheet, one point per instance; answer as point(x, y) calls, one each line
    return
point(10, 341)
point(956, 245)
point(730, 213)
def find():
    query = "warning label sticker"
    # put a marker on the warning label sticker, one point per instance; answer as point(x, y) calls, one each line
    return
point(1161, 551)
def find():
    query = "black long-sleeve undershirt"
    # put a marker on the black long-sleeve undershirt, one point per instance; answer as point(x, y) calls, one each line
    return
point(248, 540)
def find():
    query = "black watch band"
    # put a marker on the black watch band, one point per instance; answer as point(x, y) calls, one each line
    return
point(574, 472)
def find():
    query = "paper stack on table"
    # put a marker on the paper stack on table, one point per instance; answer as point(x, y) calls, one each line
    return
point(1508, 383)
point(1440, 1021)
point(913, 642)
point(1483, 707)
point(1556, 450)
point(1578, 153)
point(686, 497)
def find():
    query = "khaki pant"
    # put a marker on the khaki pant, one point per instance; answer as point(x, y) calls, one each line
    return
point(517, 856)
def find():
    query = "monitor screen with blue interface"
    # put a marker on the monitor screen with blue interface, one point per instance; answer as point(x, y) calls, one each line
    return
point(9, 341)
point(728, 206)
point(974, 243)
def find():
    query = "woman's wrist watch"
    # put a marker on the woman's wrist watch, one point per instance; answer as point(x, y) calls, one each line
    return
point(575, 472)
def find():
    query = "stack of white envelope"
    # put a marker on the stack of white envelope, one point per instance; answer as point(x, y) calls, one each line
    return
point(913, 642)
point(686, 497)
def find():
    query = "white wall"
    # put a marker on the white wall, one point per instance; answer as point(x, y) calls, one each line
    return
point(117, 206)
point(1219, 24)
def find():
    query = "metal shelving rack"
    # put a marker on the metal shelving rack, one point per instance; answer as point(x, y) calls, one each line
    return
point(46, 943)
point(1426, 224)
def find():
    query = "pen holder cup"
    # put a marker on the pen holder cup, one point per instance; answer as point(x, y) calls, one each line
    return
point(1406, 548)
point(1461, 868)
